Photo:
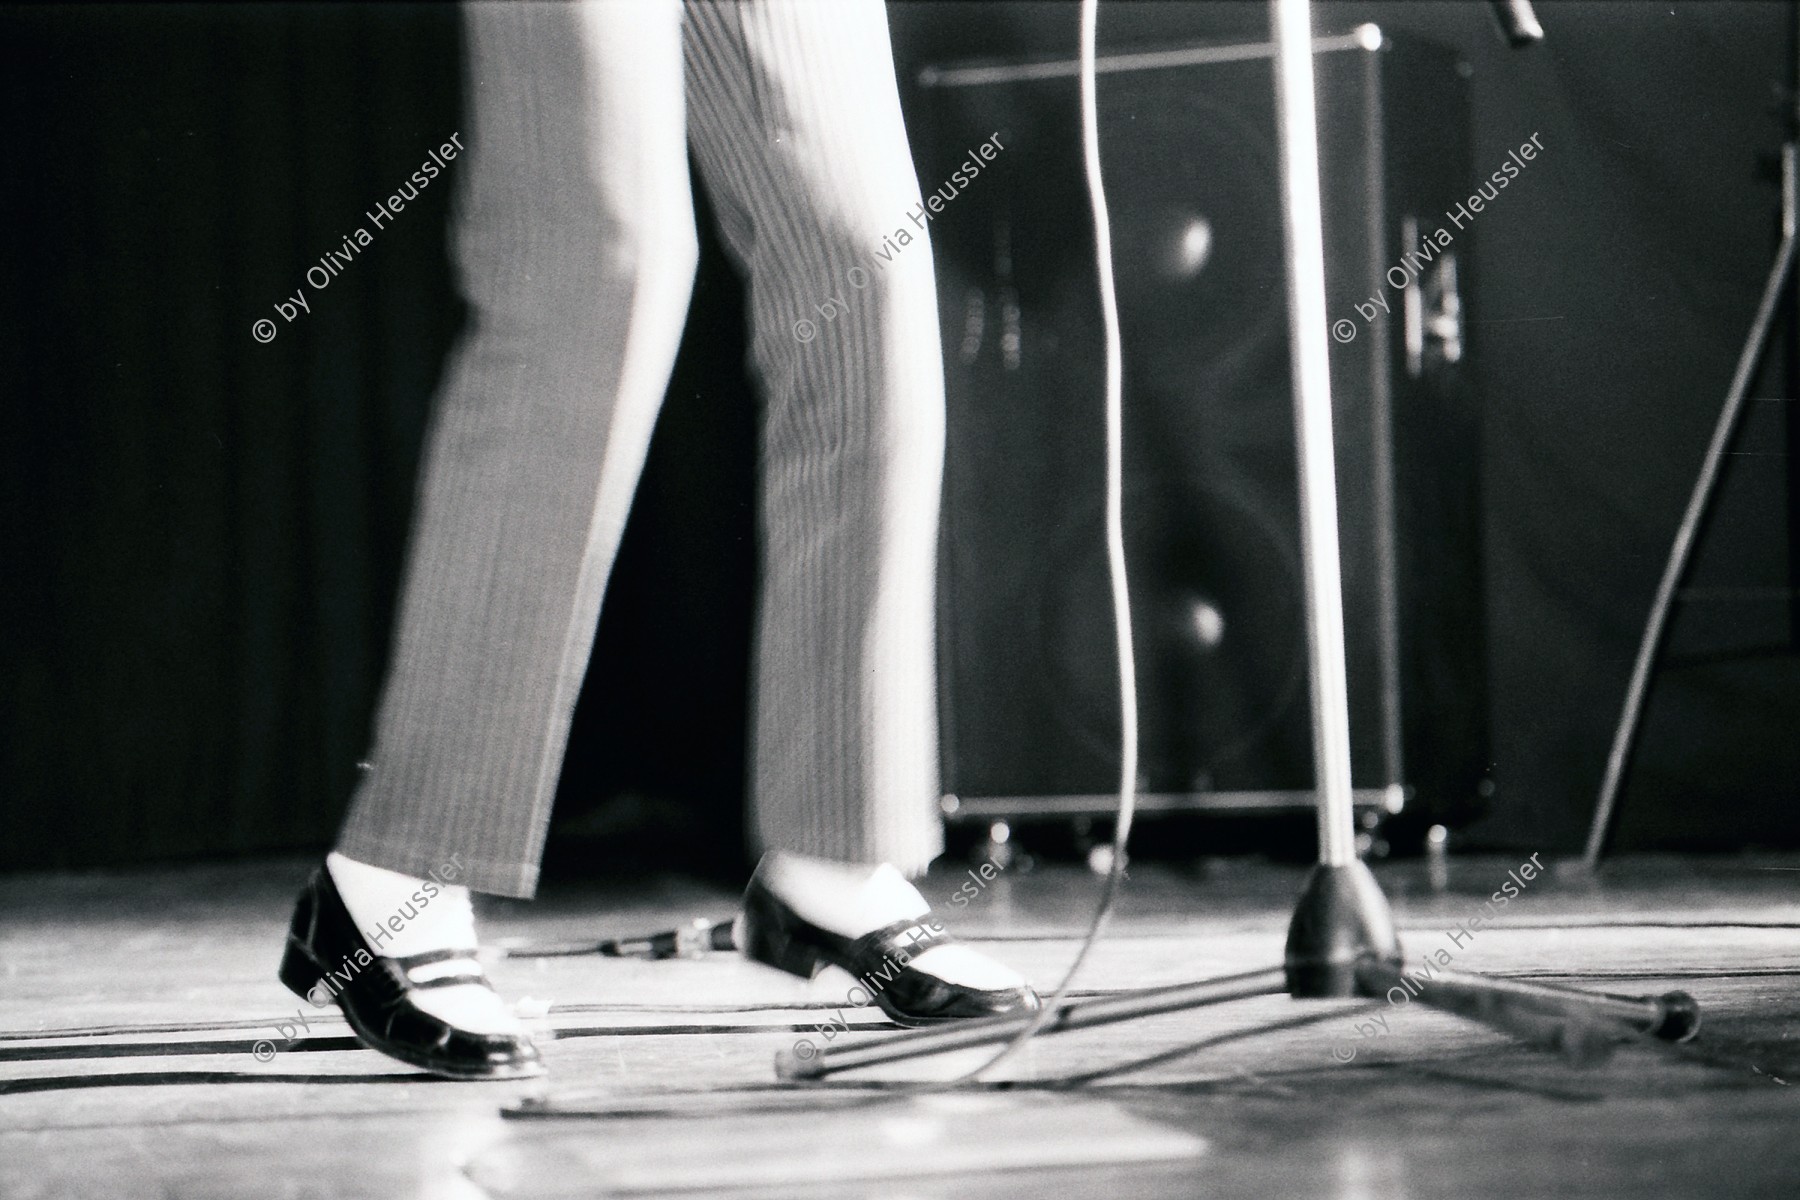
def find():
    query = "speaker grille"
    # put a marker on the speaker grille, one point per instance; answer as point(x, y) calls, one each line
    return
point(1211, 504)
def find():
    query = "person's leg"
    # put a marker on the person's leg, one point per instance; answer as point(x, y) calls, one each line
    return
point(794, 118)
point(575, 249)
point(795, 122)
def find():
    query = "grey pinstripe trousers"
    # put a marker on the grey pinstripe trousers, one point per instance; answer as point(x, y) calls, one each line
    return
point(575, 249)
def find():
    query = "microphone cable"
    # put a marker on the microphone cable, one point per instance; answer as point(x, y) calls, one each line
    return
point(1115, 544)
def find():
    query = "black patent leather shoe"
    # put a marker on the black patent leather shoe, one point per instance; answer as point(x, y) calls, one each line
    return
point(328, 959)
point(775, 935)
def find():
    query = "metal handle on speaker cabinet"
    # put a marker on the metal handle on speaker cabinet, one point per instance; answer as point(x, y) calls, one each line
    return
point(1012, 329)
point(1431, 305)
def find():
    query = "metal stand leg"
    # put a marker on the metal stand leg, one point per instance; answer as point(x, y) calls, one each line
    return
point(1625, 737)
point(1757, 341)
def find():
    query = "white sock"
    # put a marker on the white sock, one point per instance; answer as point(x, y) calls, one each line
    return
point(853, 900)
point(430, 916)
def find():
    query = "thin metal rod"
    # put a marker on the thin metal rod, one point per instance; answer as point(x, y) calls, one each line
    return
point(1310, 349)
point(1535, 1011)
point(1082, 1014)
point(1149, 60)
point(1625, 737)
point(1673, 1016)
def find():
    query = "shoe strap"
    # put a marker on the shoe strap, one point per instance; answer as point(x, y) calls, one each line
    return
point(452, 980)
point(912, 938)
point(428, 957)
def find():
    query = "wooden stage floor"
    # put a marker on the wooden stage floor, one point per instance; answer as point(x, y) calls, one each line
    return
point(134, 1004)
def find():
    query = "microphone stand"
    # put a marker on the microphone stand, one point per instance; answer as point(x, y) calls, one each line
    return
point(1730, 416)
point(1341, 940)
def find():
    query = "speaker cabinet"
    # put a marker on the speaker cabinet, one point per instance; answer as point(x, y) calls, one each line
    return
point(1191, 165)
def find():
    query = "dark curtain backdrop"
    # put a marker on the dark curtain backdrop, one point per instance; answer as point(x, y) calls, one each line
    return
point(200, 534)
point(200, 531)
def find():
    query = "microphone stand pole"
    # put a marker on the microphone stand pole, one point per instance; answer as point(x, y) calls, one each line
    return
point(1341, 940)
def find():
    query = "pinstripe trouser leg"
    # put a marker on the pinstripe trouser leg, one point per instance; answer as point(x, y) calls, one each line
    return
point(795, 122)
point(575, 250)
